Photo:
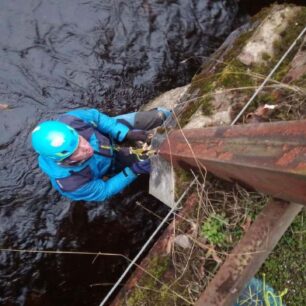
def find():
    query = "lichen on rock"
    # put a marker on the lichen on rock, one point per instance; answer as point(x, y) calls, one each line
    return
point(260, 48)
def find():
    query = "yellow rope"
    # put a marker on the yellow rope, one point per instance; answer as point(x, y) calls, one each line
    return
point(267, 294)
point(136, 151)
point(142, 151)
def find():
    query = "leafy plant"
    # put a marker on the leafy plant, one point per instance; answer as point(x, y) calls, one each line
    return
point(214, 229)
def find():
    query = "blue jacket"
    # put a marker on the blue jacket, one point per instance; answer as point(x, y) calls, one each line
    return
point(85, 181)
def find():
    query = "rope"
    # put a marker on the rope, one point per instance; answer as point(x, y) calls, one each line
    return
point(97, 254)
point(269, 295)
point(146, 244)
point(268, 77)
point(63, 252)
point(60, 252)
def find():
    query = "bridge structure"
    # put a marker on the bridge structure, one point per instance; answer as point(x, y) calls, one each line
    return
point(267, 157)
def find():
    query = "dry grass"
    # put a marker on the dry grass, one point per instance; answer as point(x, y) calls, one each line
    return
point(193, 267)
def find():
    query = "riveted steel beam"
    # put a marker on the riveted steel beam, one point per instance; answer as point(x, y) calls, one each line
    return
point(246, 258)
point(268, 157)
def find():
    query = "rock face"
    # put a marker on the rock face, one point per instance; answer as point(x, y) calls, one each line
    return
point(262, 42)
point(221, 103)
point(169, 99)
point(298, 65)
point(240, 69)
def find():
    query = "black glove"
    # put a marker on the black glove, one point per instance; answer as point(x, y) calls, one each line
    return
point(137, 135)
point(142, 167)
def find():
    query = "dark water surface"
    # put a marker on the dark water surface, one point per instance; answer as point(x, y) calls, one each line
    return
point(59, 55)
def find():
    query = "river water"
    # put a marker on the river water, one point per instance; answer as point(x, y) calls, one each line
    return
point(60, 55)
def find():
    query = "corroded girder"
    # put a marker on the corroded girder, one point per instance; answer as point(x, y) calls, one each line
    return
point(268, 157)
point(246, 258)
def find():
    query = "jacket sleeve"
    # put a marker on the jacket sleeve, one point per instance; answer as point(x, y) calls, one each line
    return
point(102, 122)
point(99, 190)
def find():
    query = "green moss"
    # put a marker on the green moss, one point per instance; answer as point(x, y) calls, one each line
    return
point(203, 84)
point(266, 56)
point(235, 76)
point(301, 82)
point(285, 267)
point(182, 180)
point(237, 46)
point(280, 46)
point(267, 98)
point(165, 294)
point(231, 73)
point(206, 83)
point(206, 106)
point(147, 292)
point(189, 111)
point(136, 297)
point(208, 86)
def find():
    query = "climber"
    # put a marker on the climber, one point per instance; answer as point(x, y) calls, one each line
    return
point(83, 152)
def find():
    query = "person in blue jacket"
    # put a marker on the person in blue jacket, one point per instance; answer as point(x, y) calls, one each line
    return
point(82, 153)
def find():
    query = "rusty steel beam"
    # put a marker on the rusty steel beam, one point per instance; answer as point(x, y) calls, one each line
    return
point(268, 157)
point(252, 250)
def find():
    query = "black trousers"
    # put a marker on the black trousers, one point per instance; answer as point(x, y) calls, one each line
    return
point(123, 157)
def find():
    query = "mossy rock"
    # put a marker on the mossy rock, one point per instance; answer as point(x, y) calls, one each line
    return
point(231, 74)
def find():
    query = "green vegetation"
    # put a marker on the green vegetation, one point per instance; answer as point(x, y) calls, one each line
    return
point(206, 106)
point(281, 46)
point(214, 229)
point(234, 75)
point(286, 265)
point(190, 109)
point(150, 290)
point(182, 180)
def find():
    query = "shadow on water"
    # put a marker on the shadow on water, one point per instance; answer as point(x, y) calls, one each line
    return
point(60, 55)
point(253, 7)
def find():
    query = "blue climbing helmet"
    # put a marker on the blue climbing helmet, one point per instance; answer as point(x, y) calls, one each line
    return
point(55, 140)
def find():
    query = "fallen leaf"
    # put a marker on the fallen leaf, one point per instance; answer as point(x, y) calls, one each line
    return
point(3, 106)
point(261, 114)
